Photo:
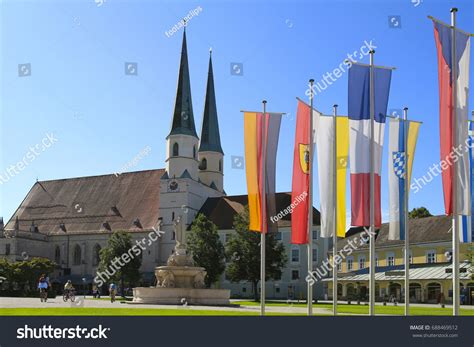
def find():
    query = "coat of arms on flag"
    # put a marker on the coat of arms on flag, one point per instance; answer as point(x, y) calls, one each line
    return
point(304, 158)
point(399, 164)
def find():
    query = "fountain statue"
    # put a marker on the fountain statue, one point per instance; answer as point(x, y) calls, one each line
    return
point(180, 280)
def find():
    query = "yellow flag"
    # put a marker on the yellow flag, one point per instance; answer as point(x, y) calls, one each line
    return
point(342, 155)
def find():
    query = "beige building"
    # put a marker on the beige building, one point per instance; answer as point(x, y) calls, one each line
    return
point(430, 265)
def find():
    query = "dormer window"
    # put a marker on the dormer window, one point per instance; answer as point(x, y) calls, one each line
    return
point(175, 149)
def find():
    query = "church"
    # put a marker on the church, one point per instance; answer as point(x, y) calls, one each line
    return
point(70, 220)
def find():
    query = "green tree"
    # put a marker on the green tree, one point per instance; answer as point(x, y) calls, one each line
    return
point(419, 212)
point(243, 251)
point(204, 244)
point(24, 274)
point(122, 259)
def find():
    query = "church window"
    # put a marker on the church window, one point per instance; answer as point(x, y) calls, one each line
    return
point(175, 149)
point(77, 256)
point(96, 255)
point(57, 255)
point(203, 165)
point(220, 165)
point(172, 216)
point(194, 152)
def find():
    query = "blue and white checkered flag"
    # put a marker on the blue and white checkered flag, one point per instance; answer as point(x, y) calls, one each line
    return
point(399, 164)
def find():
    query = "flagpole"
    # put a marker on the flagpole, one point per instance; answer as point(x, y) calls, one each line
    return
point(263, 213)
point(334, 235)
point(372, 205)
point(405, 214)
point(309, 298)
point(455, 175)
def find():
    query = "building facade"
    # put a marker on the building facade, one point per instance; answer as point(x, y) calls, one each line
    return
point(430, 265)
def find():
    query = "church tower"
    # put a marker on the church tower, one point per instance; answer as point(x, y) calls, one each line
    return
point(183, 187)
point(182, 140)
point(211, 168)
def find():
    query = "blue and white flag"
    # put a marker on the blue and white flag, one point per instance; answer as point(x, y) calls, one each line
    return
point(400, 164)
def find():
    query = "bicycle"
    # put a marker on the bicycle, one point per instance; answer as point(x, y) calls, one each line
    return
point(69, 295)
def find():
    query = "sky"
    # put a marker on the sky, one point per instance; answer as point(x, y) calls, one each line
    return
point(66, 92)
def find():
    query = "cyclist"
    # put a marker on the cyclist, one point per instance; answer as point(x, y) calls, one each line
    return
point(68, 288)
point(112, 291)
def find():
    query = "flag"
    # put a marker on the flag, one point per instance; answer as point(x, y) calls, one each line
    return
point(465, 229)
point(300, 183)
point(471, 165)
point(254, 165)
point(400, 162)
point(449, 150)
point(325, 149)
point(359, 139)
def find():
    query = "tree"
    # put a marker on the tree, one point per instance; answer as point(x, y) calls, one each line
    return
point(419, 212)
point(243, 251)
point(204, 244)
point(121, 258)
point(24, 274)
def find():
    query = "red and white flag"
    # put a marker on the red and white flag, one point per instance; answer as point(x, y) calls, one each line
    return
point(455, 154)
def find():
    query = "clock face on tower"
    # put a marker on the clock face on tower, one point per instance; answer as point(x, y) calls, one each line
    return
point(173, 186)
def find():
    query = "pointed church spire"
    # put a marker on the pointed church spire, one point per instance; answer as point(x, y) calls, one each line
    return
point(183, 117)
point(210, 138)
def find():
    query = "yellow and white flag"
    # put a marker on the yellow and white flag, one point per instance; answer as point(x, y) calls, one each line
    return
point(325, 148)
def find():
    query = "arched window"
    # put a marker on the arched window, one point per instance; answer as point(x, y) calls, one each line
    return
point(77, 256)
point(175, 149)
point(57, 255)
point(433, 291)
point(220, 165)
point(194, 152)
point(172, 216)
point(203, 165)
point(96, 255)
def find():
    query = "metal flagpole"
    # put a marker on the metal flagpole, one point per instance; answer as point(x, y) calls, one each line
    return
point(454, 193)
point(309, 298)
point(263, 213)
point(334, 235)
point(405, 214)
point(372, 219)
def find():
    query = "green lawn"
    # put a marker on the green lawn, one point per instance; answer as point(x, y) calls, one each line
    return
point(127, 311)
point(364, 309)
point(90, 311)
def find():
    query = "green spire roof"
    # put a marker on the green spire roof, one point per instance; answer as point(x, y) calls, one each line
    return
point(183, 117)
point(210, 138)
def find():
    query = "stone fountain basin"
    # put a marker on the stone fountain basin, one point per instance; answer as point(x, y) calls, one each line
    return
point(183, 290)
point(180, 296)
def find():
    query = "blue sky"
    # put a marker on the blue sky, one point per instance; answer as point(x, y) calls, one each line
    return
point(102, 118)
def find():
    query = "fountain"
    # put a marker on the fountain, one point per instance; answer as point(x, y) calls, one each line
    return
point(179, 280)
